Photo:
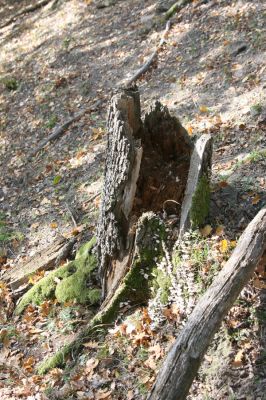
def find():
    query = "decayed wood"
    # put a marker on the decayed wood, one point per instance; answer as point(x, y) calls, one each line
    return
point(146, 164)
point(123, 157)
point(43, 260)
point(200, 165)
point(185, 356)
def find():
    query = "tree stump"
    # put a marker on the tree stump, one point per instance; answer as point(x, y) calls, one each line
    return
point(147, 164)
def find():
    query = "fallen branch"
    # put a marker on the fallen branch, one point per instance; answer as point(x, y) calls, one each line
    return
point(152, 58)
point(56, 133)
point(24, 11)
point(167, 17)
point(185, 356)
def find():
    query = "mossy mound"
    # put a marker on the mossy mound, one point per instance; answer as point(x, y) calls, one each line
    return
point(72, 281)
point(134, 289)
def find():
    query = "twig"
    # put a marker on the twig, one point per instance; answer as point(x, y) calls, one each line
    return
point(71, 215)
point(25, 10)
point(149, 62)
point(56, 133)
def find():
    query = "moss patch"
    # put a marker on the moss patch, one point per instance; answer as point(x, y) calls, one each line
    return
point(200, 203)
point(72, 281)
point(135, 288)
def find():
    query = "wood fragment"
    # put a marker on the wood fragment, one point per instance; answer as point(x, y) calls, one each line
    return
point(185, 356)
point(44, 260)
point(200, 165)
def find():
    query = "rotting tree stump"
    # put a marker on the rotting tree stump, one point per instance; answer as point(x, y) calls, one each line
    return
point(147, 167)
point(184, 358)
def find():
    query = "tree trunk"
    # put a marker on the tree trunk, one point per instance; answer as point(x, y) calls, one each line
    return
point(185, 356)
point(147, 164)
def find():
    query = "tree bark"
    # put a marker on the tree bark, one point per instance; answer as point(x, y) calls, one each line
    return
point(200, 168)
point(147, 163)
point(185, 356)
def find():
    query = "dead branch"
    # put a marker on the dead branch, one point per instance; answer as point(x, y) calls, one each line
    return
point(151, 59)
point(56, 133)
point(24, 11)
point(185, 356)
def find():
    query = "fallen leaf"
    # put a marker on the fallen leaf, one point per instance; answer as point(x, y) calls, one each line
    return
point(256, 199)
point(28, 364)
point(53, 225)
point(102, 395)
point(238, 360)
point(219, 231)
point(223, 184)
point(91, 345)
point(206, 230)
point(150, 363)
point(203, 109)
point(57, 179)
point(233, 244)
point(223, 246)
point(189, 130)
point(259, 284)
point(91, 364)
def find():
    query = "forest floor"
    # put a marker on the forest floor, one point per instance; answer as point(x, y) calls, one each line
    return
point(69, 56)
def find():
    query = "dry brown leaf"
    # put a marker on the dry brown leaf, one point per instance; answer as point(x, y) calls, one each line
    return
point(256, 199)
point(219, 231)
point(103, 394)
point(206, 230)
point(91, 345)
point(91, 364)
point(238, 360)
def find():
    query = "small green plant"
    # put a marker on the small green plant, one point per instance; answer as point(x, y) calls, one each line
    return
point(103, 352)
point(142, 353)
point(6, 234)
point(66, 43)
point(11, 83)
point(256, 109)
point(50, 124)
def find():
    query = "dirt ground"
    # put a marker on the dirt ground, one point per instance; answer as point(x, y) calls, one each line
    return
point(69, 56)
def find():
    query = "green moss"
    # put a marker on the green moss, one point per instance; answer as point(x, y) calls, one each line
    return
point(161, 281)
point(58, 360)
point(69, 282)
point(135, 288)
point(200, 203)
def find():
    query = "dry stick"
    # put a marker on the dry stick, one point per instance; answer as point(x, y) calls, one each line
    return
point(149, 62)
point(25, 10)
point(185, 356)
point(56, 133)
point(172, 10)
